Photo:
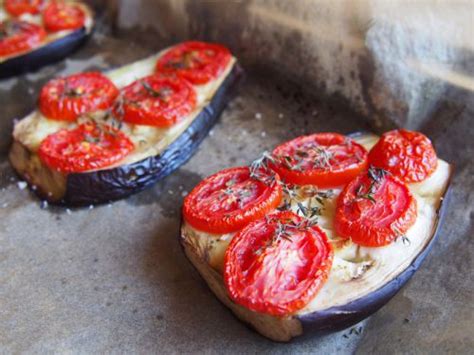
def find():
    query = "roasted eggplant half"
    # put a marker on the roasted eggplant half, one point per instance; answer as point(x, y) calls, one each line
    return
point(157, 151)
point(361, 280)
point(50, 45)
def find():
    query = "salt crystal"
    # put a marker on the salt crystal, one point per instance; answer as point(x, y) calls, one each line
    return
point(280, 115)
point(263, 134)
point(68, 211)
point(22, 185)
point(184, 193)
point(258, 116)
point(170, 192)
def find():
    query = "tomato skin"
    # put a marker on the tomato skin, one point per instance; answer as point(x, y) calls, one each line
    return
point(210, 209)
point(67, 98)
point(277, 275)
point(375, 223)
point(59, 16)
point(406, 154)
point(156, 100)
point(341, 160)
point(86, 147)
point(197, 62)
point(19, 36)
point(19, 7)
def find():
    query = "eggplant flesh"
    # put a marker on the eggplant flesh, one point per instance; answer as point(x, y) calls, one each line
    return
point(135, 172)
point(56, 47)
point(361, 279)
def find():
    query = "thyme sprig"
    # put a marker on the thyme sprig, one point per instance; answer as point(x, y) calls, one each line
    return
point(283, 231)
point(98, 132)
point(70, 91)
point(376, 176)
point(317, 155)
point(163, 93)
point(294, 192)
point(322, 157)
point(405, 240)
point(260, 169)
point(239, 195)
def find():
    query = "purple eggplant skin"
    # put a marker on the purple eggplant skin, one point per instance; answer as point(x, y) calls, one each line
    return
point(103, 186)
point(345, 316)
point(44, 55)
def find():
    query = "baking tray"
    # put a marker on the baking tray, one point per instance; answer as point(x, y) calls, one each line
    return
point(113, 278)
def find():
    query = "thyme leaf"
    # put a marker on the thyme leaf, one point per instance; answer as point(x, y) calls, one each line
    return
point(260, 170)
point(163, 93)
point(283, 231)
point(376, 176)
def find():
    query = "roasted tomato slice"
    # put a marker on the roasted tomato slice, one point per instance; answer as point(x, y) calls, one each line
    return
point(322, 159)
point(20, 7)
point(156, 100)
point(277, 264)
point(230, 199)
point(406, 154)
point(87, 147)
point(59, 16)
point(19, 36)
point(69, 97)
point(198, 62)
point(374, 209)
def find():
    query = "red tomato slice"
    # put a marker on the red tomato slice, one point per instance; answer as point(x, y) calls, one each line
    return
point(198, 62)
point(156, 101)
point(87, 147)
point(59, 16)
point(277, 265)
point(67, 98)
point(374, 209)
point(19, 36)
point(20, 7)
point(230, 199)
point(322, 159)
point(406, 154)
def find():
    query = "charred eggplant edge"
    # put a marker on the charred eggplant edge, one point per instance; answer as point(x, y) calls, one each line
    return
point(340, 317)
